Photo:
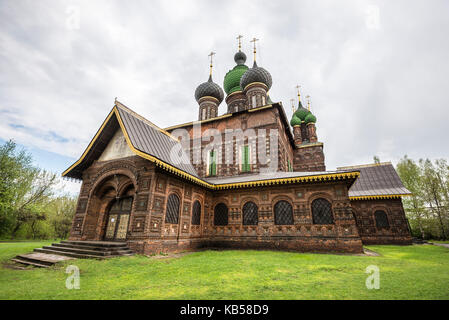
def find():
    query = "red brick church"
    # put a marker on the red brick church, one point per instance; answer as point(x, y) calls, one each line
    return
point(248, 178)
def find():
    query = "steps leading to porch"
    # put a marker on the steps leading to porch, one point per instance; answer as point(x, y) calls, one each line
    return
point(49, 255)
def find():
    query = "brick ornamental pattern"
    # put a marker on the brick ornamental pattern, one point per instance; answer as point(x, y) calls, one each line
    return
point(148, 233)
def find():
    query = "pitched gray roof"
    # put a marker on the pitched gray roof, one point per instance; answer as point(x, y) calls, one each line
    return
point(144, 136)
point(148, 138)
point(377, 180)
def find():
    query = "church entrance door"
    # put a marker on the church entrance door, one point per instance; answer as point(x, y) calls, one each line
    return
point(118, 219)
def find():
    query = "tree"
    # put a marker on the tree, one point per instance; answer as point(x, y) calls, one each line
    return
point(60, 215)
point(433, 185)
point(24, 189)
point(414, 205)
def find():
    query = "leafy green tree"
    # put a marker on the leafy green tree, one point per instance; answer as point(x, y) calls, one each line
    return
point(60, 214)
point(414, 205)
point(433, 186)
point(24, 189)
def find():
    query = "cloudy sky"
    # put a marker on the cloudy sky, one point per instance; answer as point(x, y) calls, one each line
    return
point(377, 71)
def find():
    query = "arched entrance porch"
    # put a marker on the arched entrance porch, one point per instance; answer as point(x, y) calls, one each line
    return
point(110, 209)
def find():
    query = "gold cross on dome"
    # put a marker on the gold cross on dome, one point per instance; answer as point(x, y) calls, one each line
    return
point(211, 55)
point(254, 43)
point(308, 102)
point(293, 104)
point(239, 38)
point(299, 94)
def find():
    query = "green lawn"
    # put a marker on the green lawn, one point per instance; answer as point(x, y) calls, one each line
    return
point(413, 272)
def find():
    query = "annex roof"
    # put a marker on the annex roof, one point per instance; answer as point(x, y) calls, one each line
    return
point(376, 181)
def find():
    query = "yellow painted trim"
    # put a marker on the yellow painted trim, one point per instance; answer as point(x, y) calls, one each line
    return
point(158, 162)
point(314, 178)
point(261, 108)
point(91, 143)
point(210, 97)
point(226, 115)
point(317, 144)
point(234, 93)
point(253, 83)
point(365, 165)
point(138, 116)
point(389, 196)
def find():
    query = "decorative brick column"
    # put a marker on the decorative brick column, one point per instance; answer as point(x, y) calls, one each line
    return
point(297, 135)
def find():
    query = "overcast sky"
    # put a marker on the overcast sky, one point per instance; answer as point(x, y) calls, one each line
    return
point(377, 71)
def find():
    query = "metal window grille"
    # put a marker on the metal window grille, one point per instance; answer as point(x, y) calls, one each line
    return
point(381, 219)
point(250, 214)
point(322, 212)
point(196, 216)
point(221, 215)
point(283, 213)
point(172, 211)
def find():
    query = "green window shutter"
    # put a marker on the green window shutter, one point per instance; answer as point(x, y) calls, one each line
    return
point(246, 166)
point(289, 166)
point(212, 163)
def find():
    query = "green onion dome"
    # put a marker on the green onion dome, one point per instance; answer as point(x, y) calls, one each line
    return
point(301, 112)
point(310, 118)
point(209, 89)
point(295, 121)
point(256, 74)
point(231, 81)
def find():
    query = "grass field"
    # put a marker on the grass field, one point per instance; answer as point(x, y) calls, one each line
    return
point(413, 272)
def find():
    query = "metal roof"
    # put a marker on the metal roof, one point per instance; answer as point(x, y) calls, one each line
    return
point(154, 141)
point(144, 137)
point(377, 180)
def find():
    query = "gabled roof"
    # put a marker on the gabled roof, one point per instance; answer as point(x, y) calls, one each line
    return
point(377, 181)
point(143, 137)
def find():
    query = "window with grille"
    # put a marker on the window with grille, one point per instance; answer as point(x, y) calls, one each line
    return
point(250, 214)
point(213, 163)
point(283, 213)
point(196, 215)
point(381, 219)
point(245, 163)
point(322, 212)
point(221, 215)
point(172, 211)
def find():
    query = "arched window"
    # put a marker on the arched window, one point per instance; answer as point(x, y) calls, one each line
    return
point(283, 213)
point(250, 214)
point(196, 215)
point(221, 215)
point(381, 219)
point(172, 210)
point(322, 212)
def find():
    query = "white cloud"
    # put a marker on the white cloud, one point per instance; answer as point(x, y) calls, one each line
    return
point(378, 86)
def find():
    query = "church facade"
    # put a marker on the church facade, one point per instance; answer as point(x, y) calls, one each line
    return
point(249, 178)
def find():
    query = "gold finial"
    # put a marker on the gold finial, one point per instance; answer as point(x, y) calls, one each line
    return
point(239, 38)
point(299, 94)
point(308, 102)
point(211, 55)
point(254, 43)
point(293, 105)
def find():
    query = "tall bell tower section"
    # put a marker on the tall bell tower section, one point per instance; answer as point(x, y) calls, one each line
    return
point(308, 154)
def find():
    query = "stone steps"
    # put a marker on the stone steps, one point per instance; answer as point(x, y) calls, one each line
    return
point(88, 251)
point(29, 262)
point(49, 255)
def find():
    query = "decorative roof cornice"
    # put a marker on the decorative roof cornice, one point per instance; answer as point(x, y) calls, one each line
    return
point(378, 197)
